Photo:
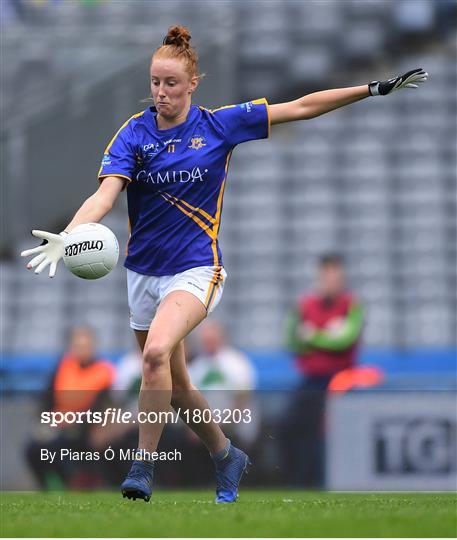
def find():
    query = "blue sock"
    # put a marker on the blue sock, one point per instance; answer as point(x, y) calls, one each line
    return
point(142, 455)
point(222, 454)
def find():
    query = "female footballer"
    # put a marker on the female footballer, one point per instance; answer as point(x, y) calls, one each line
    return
point(173, 158)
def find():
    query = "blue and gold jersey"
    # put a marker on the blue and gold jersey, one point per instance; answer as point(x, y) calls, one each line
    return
point(176, 182)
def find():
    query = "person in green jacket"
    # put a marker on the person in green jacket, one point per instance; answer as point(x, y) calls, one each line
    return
point(323, 331)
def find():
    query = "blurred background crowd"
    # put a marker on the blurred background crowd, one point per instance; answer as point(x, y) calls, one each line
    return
point(370, 189)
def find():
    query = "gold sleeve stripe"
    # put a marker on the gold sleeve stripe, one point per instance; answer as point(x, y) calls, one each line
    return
point(261, 101)
point(220, 108)
point(116, 175)
point(264, 102)
point(107, 149)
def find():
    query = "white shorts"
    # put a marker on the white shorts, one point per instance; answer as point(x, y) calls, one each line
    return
point(146, 292)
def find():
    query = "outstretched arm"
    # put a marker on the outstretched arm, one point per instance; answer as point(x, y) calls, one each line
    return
point(316, 104)
point(319, 103)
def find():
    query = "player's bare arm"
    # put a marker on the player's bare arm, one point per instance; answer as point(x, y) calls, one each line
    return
point(315, 104)
point(94, 209)
point(99, 204)
point(318, 103)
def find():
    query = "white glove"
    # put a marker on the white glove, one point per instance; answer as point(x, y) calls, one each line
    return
point(50, 251)
point(408, 80)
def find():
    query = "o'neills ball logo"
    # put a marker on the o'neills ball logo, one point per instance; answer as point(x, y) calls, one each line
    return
point(82, 247)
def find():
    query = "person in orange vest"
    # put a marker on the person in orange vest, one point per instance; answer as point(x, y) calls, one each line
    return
point(80, 382)
point(323, 331)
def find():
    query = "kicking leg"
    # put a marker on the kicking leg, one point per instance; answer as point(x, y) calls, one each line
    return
point(188, 398)
point(230, 462)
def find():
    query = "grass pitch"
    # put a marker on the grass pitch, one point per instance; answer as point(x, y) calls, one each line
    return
point(256, 514)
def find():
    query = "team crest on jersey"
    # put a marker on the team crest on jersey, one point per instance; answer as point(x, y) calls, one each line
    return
point(197, 142)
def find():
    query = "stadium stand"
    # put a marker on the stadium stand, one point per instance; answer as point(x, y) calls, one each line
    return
point(372, 180)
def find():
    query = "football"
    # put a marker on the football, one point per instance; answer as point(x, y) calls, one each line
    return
point(91, 251)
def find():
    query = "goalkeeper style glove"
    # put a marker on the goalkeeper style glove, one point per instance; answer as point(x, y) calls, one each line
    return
point(408, 80)
point(49, 252)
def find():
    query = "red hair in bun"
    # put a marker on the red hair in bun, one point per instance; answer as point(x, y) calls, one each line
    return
point(176, 44)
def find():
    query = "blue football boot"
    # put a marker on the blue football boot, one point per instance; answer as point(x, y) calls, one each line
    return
point(229, 471)
point(138, 483)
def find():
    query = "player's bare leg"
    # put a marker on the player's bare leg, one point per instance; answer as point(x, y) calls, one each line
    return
point(187, 397)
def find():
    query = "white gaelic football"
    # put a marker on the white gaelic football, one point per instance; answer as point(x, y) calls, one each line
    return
point(90, 251)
